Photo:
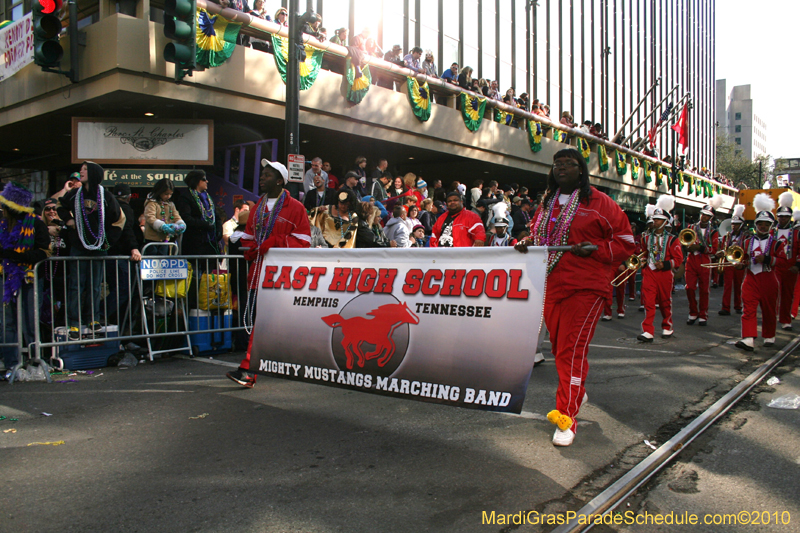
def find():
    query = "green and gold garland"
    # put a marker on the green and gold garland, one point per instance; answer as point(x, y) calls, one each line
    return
point(648, 178)
point(420, 98)
point(602, 156)
point(472, 109)
point(622, 165)
point(560, 136)
point(215, 37)
point(583, 147)
point(357, 88)
point(535, 134)
point(309, 69)
point(503, 117)
point(636, 167)
point(659, 178)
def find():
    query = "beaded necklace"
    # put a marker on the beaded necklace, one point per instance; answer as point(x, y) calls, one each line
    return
point(82, 223)
point(559, 235)
point(264, 223)
point(765, 251)
point(208, 213)
point(18, 239)
point(655, 249)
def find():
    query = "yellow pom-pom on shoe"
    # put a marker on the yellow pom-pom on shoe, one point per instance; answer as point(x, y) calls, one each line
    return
point(562, 421)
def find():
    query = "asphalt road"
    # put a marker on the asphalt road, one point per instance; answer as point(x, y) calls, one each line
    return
point(174, 446)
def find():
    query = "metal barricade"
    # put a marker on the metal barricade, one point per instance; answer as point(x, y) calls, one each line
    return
point(11, 331)
point(104, 301)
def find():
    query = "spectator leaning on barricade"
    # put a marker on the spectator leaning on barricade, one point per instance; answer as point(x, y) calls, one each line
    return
point(411, 59)
point(196, 208)
point(163, 222)
point(94, 221)
point(277, 221)
point(458, 227)
point(59, 247)
point(429, 65)
point(119, 276)
point(25, 241)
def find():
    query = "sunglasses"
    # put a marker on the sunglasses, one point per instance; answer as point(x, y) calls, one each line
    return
point(49, 208)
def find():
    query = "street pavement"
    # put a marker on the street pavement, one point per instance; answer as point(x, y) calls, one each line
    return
point(174, 446)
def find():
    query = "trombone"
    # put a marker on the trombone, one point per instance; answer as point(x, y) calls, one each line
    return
point(733, 256)
point(632, 265)
point(687, 237)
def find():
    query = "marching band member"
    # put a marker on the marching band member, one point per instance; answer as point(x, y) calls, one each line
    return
point(648, 213)
point(796, 299)
point(663, 254)
point(733, 277)
point(761, 286)
point(701, 252)
point(786, 268)
point(576, 214)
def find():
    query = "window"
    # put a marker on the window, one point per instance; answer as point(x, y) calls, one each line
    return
point(738, 140)
point(738, 129)
point(738, 116)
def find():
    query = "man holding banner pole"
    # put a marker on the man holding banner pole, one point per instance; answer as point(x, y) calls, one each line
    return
point(277, 221)
point(575, 214)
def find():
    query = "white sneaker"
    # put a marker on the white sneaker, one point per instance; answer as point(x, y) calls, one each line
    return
point(585, 399)
point(769, 342)
point(666, 332)
point(563, 438)
point(606, 318)
point(538, 358)
point(620, 315)
point(787, 327)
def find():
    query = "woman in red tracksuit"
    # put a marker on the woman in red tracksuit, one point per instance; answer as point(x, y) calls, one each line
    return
point(663, 254)
point(575, 213)
point(761, 287)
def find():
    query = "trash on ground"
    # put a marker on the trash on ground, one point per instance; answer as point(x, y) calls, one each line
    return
point(773, 381)
point(650, 445)
point(54, 443)
point(98, 375)
point(66, 381)
point(787, 401)
point(129, 361)
point(47, 414)
point(198, 416)
point(9, 431)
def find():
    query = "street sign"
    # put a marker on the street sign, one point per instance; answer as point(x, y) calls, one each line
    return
point(296, 168)
point(151, 269)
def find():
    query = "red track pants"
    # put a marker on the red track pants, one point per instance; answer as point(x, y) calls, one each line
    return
point(733, 282)
point(656, 290)
point(788, 280)
point(571, 323)
point(698, 275)
point(760, 290)
point(796, 301)
point(619, 292)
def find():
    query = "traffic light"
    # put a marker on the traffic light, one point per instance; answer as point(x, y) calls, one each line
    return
point(180, 25)
point(46, 28)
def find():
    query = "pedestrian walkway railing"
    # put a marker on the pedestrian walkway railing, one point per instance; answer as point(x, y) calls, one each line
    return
point(93, 306)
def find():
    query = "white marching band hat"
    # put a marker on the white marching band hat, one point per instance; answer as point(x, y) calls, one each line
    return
point(664, 204)
point(738, 212)
point(714, 203)
point(785, 201)
point(764, 204)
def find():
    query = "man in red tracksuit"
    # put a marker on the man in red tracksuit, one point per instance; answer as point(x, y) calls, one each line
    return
point(733, 277)
point(458, 227)
point(761, 287)
point(578, 280)
point(663, 254)
point(700, 253)
point(277, 221)
point(786, 267)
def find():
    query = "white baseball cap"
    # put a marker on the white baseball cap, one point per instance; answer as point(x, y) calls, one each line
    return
point(280, 167)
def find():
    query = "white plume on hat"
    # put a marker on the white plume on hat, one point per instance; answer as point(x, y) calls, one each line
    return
point(786, 199)
point(500, 210)
point(666, 202)
point(716, 201)
point(648, 211)
point(763, 202)
point(738, 211)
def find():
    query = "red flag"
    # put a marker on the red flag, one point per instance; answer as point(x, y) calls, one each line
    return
point(682, 127)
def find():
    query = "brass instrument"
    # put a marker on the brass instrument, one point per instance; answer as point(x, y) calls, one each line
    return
point(733, 256)
point(687, 237)
point(632, 265)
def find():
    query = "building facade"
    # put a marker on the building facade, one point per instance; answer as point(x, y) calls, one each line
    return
point(737, 119)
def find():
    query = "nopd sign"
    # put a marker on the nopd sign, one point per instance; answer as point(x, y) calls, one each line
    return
point(424, 324)
point(157, 269)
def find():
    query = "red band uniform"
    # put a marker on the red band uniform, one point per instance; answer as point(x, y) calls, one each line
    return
point(783, 269)
point(577, 291)
point(761, 286)
point(697, 276)
point(733, 277)
point(657, 284)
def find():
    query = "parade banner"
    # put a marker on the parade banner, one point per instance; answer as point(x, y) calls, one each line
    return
point(16, 46)
point(456, 326)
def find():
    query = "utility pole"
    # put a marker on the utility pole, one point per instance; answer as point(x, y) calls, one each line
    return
point(292, 122)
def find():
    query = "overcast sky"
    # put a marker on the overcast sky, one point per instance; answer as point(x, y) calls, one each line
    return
point(756, 44)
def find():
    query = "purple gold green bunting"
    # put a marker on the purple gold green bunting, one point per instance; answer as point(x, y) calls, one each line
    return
point(309, 69)
point(636, 166)
point(560, 136)
point(535, 134)
point(216, 38)
point(648, 178)
point(472, 109)
point(622, 165)
point(503, 117)
point(420, 98)
point(357, 88)
point(602, 155)
point(583, 146)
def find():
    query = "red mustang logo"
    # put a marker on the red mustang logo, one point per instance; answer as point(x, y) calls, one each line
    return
point(377, 331)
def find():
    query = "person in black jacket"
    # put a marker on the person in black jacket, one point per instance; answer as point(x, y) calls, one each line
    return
point(121, 279)
point(24, 241)
point(94, 223)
